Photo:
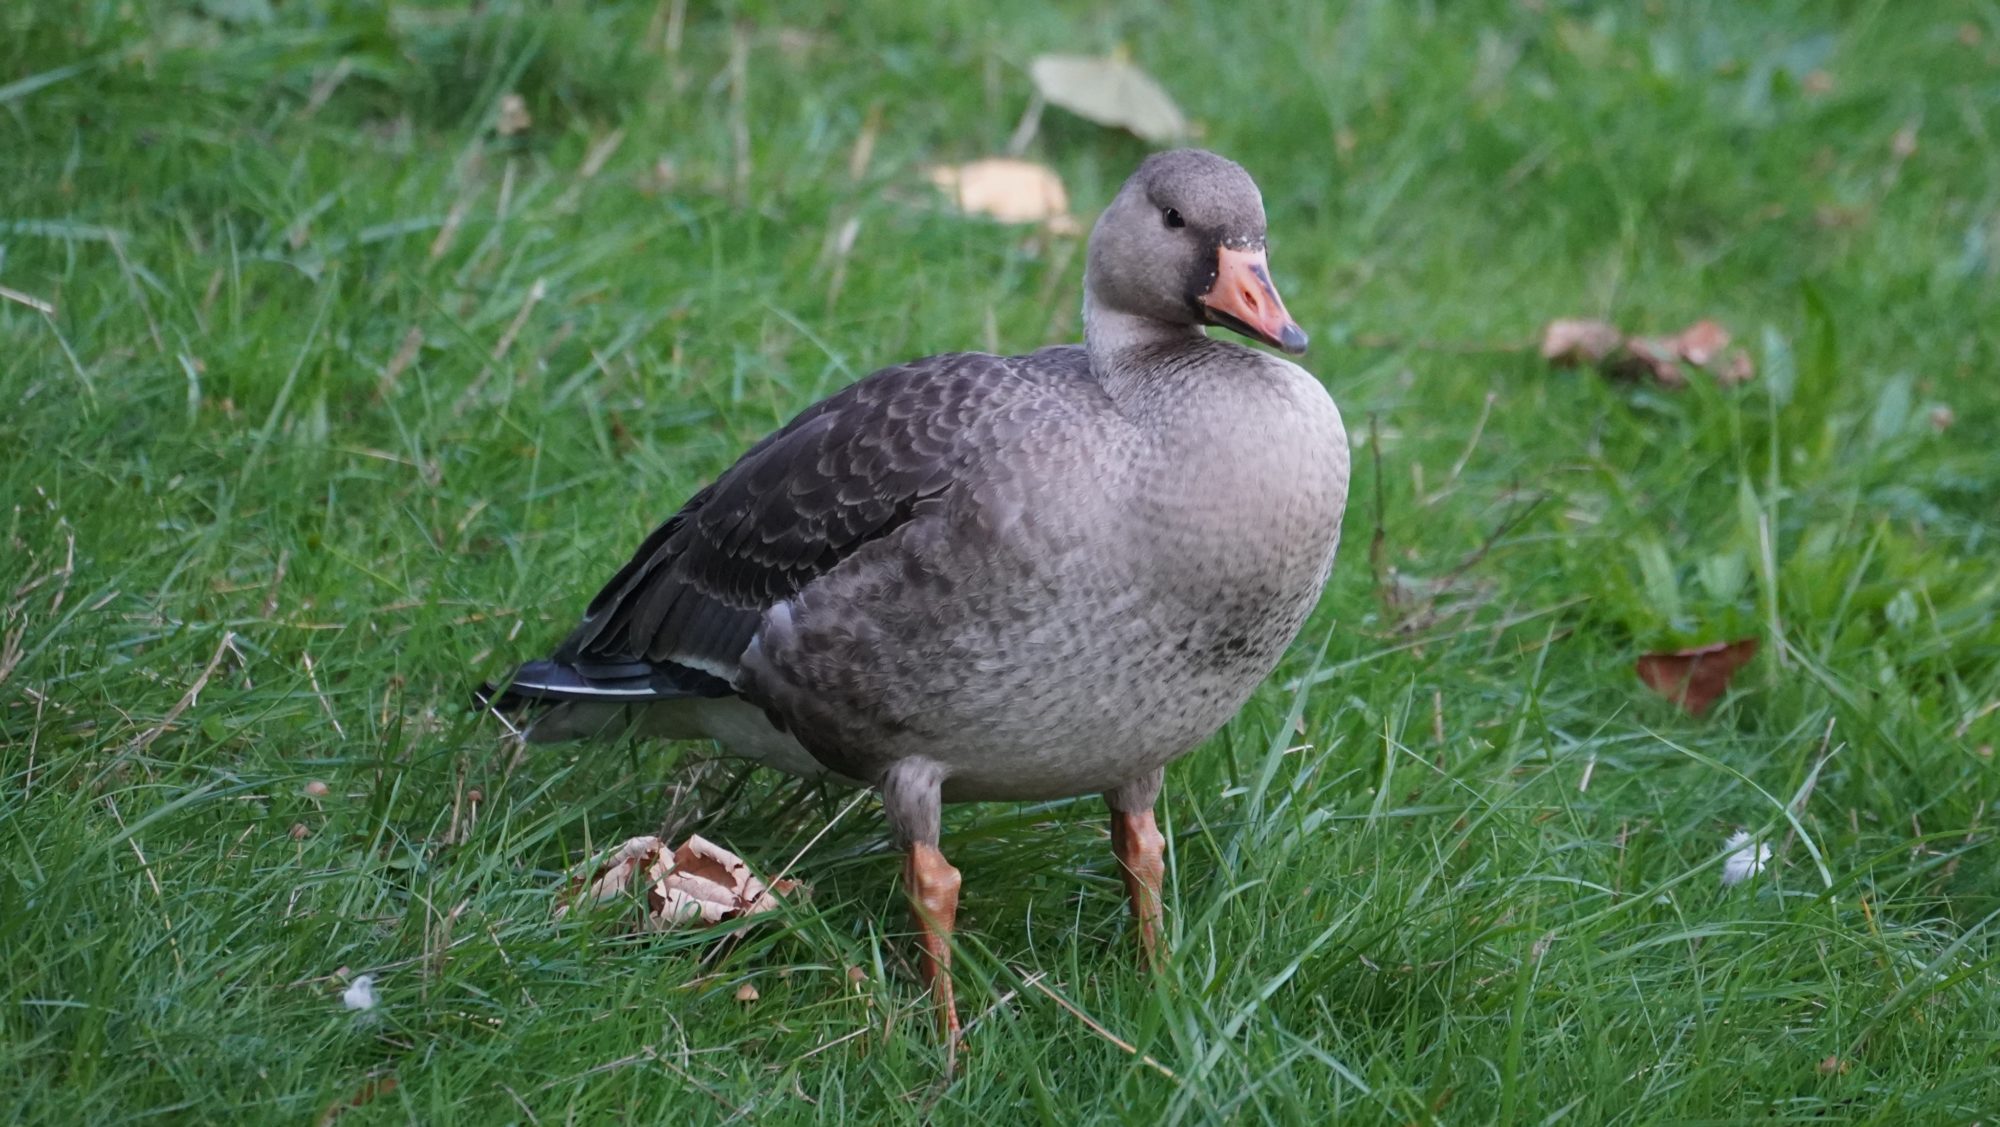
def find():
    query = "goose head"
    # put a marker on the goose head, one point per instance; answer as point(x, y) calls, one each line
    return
point(1182, 246)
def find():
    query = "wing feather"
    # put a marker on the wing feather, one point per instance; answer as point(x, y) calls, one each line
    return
point(850, 469)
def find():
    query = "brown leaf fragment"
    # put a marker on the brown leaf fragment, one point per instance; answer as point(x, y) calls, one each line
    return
point(1701, 342)
point(1571, 341)
point(1009, 190)
point(1655, 358)
point(1664, 360)
point(644, 858)
point(1109, 91)
point(697, 882)
point(1737, 368)
point(1696, 678)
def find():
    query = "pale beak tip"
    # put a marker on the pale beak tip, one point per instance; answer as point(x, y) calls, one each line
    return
point(1292, 339)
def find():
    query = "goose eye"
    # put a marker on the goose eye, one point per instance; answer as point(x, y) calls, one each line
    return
point(1174, 218)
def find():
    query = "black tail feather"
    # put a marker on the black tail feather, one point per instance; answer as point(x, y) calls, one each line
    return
point(551, 682)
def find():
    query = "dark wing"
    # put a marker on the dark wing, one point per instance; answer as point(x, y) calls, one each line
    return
point(850, 469)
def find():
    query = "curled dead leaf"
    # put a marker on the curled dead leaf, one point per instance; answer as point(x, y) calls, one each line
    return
point(1696, 678)
point(1657, 358)
point(696, 882)
point(1109, 91)
point(1571, 341)
point(1009, 190)
point(1737, 368)
point(1664, 360)
point(1701, 342)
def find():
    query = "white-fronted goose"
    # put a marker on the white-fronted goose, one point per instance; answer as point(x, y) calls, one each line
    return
point(980, 577)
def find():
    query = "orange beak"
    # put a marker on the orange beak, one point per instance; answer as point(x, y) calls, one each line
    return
point(1244, 300)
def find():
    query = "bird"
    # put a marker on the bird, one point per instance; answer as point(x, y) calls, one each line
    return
point(973, 577)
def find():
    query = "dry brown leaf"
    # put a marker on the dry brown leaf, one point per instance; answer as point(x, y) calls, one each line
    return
point(1109, 91)
point(1696, 678)
point(1657, 357)
point(644, 858)
point(1572, 341)
point(1568, 342)
point(697, 882)
point(1737, 368)
point(513, 116)
point(1009, 190)
point(1701, 342)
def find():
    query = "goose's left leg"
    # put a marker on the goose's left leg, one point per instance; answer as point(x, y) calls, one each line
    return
point(1135, 838)
point(910, 798)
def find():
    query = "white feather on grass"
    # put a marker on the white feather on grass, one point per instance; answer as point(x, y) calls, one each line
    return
point(1746, 859)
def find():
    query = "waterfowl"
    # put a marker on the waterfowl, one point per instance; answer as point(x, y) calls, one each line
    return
point(974, 577)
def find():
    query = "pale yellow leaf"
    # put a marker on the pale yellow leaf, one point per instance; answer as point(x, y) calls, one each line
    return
point(1109, 91)
point(1009, 190)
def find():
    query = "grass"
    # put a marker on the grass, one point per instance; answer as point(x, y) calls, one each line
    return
point(329, 400)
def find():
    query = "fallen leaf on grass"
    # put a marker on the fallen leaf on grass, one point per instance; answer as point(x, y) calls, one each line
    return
point(1701, 342)
point(696, 882)
point(1696, 678)
point(1656, 357)
point(1109, 91)
point(1570, 342)
point(1009, 190)
point(1737, 368)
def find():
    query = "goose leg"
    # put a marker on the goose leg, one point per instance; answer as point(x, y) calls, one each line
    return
point(910, 798)
point(933, 889)
point(1141, 852)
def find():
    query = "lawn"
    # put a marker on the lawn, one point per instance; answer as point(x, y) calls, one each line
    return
point(333, 393)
